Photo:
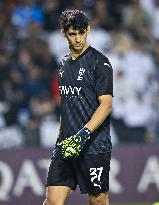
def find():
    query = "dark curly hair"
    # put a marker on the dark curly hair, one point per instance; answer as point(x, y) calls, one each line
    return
point(73, 18)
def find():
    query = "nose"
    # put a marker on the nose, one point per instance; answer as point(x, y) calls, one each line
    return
point(78, 39)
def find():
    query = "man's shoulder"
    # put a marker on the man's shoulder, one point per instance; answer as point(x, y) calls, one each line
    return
point(100, 57)
point(98, 54)
point(64, 59)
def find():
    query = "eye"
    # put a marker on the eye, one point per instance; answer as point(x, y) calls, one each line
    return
point(71, 34)
point(82, 32)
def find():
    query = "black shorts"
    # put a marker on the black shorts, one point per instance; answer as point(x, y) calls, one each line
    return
point(90, 172)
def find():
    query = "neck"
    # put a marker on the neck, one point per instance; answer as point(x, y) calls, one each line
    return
point(76, 53)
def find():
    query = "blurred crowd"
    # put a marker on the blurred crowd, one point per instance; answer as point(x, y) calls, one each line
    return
point(31, 45)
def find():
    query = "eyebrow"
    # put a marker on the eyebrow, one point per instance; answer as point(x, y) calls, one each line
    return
point(72, 32)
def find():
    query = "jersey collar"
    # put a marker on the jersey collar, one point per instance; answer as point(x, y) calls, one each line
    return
point(80, 56)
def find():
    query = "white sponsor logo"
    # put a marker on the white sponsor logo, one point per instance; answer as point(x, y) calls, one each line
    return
point(150, 175)
point(27, 177)
point(66, 90)
point(80, 74)
point(29, 173)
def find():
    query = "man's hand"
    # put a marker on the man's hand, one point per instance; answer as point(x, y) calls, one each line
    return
point(72, 146)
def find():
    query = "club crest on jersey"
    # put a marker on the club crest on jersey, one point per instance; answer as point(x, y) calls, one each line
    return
point(80, 74)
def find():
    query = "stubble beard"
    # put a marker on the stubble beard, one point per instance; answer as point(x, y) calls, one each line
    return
point(77, 49)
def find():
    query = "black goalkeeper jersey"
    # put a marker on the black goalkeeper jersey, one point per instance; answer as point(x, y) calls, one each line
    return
point(81, 81)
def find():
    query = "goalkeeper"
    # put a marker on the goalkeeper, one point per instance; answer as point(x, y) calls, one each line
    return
point(83, 149)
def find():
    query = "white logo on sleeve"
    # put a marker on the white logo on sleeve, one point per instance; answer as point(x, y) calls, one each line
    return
point(96, 176)
point(80, 74)
point(107, 64)
point(61, 72)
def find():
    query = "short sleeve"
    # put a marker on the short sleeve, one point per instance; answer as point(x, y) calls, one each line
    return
point(104, 77)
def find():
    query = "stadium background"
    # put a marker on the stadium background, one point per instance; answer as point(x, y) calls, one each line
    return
point(127, 31)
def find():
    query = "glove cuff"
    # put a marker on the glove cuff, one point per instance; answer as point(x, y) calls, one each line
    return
point(84, 132)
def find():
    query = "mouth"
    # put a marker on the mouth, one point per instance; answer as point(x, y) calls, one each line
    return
point(77, 45)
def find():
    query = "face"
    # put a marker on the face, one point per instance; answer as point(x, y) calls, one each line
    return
point(77, 38)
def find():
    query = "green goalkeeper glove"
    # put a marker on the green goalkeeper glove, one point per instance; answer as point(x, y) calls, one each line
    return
point(72, 146)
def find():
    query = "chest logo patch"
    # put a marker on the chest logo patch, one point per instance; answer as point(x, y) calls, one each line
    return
point(80, 74)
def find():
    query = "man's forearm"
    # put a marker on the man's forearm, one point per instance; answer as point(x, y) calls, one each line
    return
point(99, 115)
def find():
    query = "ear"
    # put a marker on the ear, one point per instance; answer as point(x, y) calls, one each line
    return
point(88, 30)
point(63, 33)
